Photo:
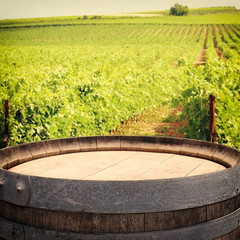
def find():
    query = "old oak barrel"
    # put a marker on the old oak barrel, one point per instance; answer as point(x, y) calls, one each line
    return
point(204, 206)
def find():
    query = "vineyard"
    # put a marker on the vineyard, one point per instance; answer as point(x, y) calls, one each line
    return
point(78, 80)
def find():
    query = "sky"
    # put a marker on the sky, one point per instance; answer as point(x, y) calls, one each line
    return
point(11, 9)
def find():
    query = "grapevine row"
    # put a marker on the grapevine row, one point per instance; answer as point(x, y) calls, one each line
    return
point(91, 79)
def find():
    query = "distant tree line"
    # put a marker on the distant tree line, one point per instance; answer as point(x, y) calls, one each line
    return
point(179, 10)
point(89, 17)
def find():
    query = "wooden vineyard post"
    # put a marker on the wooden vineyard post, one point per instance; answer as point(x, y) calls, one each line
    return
point(6, 114)
point(212, 118)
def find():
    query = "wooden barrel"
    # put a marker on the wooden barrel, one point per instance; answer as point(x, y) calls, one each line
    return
point(196, 207)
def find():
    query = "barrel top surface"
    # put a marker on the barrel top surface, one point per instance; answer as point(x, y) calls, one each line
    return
point(117, 165)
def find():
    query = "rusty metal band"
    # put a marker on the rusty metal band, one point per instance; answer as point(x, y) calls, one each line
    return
point(225, 228)
point(115, 222)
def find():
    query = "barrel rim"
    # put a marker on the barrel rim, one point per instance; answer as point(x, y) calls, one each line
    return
point(113, 196)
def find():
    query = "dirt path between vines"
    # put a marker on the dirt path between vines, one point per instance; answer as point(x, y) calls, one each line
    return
point(219, 32)
point(158, 31)
point(194, 32)
point(201, 58)
point(187, 33)
point(161, 121)
point(169, 32)
point(199, 33)
point(163, 32)
point(182, 31)
point(219, 53)
point(174, 34)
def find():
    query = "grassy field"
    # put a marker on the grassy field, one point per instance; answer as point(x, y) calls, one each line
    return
point(78, 77)
point(200, 16)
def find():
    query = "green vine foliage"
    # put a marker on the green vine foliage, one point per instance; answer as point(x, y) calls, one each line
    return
point(222, 80)
point(87, 80)
point(54, 99)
